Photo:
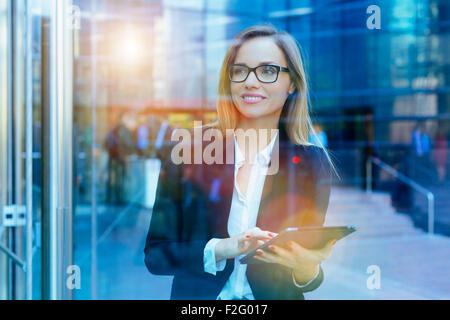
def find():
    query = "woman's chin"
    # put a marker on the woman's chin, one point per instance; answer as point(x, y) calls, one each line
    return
point(255, 113)
point(251, 115)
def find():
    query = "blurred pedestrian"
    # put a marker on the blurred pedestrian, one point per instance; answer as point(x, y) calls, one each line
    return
point(421, 145)
point(319, 136)
point(142, 137)
point(440, 154)
point(118, 143)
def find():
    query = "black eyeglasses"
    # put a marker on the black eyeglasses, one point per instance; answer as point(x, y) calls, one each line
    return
point(266, 73)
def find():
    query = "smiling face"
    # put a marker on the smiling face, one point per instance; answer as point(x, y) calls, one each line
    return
point(252, 98)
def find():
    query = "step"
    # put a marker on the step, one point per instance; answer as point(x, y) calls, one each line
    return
point(384, 198)
point(372, 214)
point(367, 219)
point(375, 226)
point(362, 233)
point(383, 201)
point(365, 209)
point(388, 233)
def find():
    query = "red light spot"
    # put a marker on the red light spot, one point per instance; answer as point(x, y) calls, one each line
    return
point(295, 159)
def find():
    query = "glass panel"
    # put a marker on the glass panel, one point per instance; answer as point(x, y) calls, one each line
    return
point(4, 48)
point(142, 69)
point(155, 68)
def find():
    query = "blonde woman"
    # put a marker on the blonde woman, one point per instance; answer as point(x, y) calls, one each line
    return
point(207, 216)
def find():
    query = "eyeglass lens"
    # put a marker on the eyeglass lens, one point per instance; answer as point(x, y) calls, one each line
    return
point(263, 73)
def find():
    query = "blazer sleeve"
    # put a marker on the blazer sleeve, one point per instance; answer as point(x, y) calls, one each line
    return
point(167, 249)
point(291, 291)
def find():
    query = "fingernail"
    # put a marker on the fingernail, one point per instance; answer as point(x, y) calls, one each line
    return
point(248, 236)
point(270, 234)
point(259, 251)
point(271, 247)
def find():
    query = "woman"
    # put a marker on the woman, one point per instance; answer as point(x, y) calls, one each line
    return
point(206, 217)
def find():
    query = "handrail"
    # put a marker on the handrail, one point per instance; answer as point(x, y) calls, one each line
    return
point(405, 179)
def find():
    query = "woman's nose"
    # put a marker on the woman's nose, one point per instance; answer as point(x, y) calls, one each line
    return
point(252, 81)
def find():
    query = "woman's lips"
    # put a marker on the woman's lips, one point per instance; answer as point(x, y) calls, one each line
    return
point(252, 99)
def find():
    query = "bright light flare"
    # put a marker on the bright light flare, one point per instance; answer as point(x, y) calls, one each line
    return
point(129, 46)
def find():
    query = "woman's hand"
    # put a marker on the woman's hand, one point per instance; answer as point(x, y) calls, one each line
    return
point(304, 262)
point(242, 243)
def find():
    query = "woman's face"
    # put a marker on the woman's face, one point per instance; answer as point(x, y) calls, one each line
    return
point(265, 98)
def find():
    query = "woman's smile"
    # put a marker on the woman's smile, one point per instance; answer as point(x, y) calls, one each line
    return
point(252, 98)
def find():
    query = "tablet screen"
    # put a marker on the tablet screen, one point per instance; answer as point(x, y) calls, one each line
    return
point(308, 237)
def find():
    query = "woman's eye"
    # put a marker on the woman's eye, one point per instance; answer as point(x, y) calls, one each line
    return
point(269, 70)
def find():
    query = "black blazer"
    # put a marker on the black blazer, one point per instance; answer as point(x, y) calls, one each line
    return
point(185, 217)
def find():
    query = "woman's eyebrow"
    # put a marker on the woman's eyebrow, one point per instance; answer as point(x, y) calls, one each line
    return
point(259, 64)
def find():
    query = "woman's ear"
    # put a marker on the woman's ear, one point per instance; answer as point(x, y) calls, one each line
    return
point(291, 88)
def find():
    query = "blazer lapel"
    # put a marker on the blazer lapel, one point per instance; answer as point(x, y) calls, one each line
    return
point(226, 173)
point(274, 186)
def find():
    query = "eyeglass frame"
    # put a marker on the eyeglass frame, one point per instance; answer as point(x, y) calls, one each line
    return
point(279, 68)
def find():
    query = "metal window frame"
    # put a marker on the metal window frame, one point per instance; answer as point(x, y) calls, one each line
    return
point(57, 221)
point(17, 97)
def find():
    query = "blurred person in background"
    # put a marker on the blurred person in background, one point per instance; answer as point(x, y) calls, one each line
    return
point(162, 143)
point(421, 145)
point(119, 144)
point(319, 136)
point(440, 154)
point(142, 137)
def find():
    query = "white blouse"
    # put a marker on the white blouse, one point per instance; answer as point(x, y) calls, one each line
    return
point(243, 216)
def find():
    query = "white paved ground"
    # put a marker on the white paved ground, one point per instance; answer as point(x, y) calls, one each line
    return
point(410, 268)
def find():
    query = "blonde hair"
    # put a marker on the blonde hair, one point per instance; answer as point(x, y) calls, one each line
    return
point(296, 109)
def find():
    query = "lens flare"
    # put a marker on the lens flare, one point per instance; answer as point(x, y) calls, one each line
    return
point(129, 46)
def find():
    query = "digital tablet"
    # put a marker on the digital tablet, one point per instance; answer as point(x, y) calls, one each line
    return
point(307, 237)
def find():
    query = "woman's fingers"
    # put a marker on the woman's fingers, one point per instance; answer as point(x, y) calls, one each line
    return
point(261, 259)
point(269, 257)
point(259, 234)
point(283, 253)
point(313, 255)
point(325, 252)
point(295, 254)
point(254, 235)
point(266, 256)
point(296, 248)
point(252, 239)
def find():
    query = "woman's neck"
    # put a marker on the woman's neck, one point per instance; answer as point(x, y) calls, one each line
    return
point(268, 123)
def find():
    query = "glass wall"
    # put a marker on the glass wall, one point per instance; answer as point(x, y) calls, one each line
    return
point(142, 68)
